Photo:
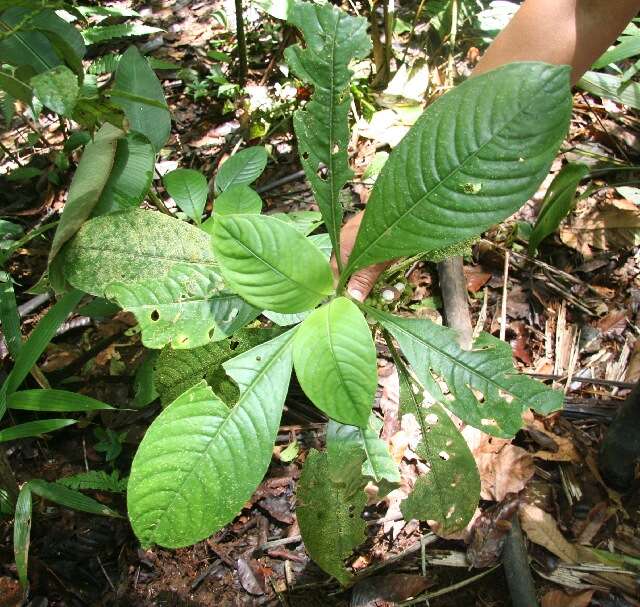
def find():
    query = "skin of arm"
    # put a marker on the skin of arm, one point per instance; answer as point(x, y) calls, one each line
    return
point(569, 32)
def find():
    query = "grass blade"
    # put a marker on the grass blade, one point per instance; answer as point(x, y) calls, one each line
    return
point(70, 498)
point(22, 533)
point(29, 429)
point(53, 400)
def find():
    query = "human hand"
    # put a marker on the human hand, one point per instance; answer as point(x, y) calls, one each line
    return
point(361, 283)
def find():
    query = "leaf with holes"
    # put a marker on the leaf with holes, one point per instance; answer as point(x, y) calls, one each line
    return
point(485, 390)
point(333, 40)
point(130, 177)
point(242, 168)
point(330, 499)
point(335, 361)
point(238, 200)
point(178, 370)
point(186, 309)
point(138, 92)
point(449, 491)
point(270, 264)
point(472, 159)
point(189, 189)
point(200, 460)
point(378, 465)
point(133, 247)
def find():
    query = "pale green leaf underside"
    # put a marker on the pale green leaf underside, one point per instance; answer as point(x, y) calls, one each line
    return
point(449, 491)
point(200, 460)
point(471, 160)
point(133, 247)
point(378, 464)
point(333, 39)
point(187, 309)
point(270, 264)
point(335, 361)
point(434, 353)
point(329, 509)
point(130, 176)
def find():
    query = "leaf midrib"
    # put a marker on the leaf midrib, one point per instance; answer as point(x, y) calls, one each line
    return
point(354, 263)
point(153, 257)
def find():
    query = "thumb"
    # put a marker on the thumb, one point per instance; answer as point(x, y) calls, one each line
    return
point(361, 283)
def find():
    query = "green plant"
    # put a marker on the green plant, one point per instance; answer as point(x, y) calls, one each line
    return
point(470, 161)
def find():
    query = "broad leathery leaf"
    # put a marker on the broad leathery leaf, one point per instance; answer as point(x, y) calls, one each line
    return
point(138, 92)
point(53, 400)
point(87, 185)
point(242, 168)
point(335, 361)
point(189, 190)
point(329, 503)
point(378, 465)
point(22, 533)
point(133, 247)
point(16, 88)
point(270, 264)
point(184, 309)
point(238, 200)
point(25, 47)
point(178, 370)
point(472, 159)
point(57, 89)
point(557, 203)
point(332, 40)
point(485, 390)
point(32, 349)
point(130, 177)
point(37, 428)
point(449, 491)
point(200, 460)
point(69, 498)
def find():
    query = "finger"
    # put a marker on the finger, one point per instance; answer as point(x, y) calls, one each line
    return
point(361, 283)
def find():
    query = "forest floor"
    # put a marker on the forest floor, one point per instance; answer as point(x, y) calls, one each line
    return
point(570, 315)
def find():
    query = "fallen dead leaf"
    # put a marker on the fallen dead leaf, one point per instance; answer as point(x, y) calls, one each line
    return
point(612, 226)
point(559, 598)
point(250, 579)
point(564, 450)
point(503, 467)
point(393, 588)
point(542, 529)
point(476, 278)
point(489, 533)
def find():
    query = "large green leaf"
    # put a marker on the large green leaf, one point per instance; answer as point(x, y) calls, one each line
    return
point(449, 491)
point(332, 40)
point(329, 503)
point(138, 92)
point(378, 464)
point(485, 390)
point(189, 190)
point(16, 88)
point(57, 89)
point(200, 460)
point(557, 202)
point(238, 200)
point(242, 168)
point(178, 370)
point(335, 361)
point(270, 263)
point(88, 183)
point(187, 309)
point(130, 176)
point(471, 160)
point(133, 247)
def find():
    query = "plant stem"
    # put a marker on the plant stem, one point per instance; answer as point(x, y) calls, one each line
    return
point(157, 202)
point(242, 43)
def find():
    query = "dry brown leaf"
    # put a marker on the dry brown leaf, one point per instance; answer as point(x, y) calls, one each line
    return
point(559, 598)
point(503, 467)
point(566, 450)
point(633, 370)
point(542, 529)
point(476, 278)
point(612, 226)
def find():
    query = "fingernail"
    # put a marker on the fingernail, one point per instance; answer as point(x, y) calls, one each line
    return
point(356, 294)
